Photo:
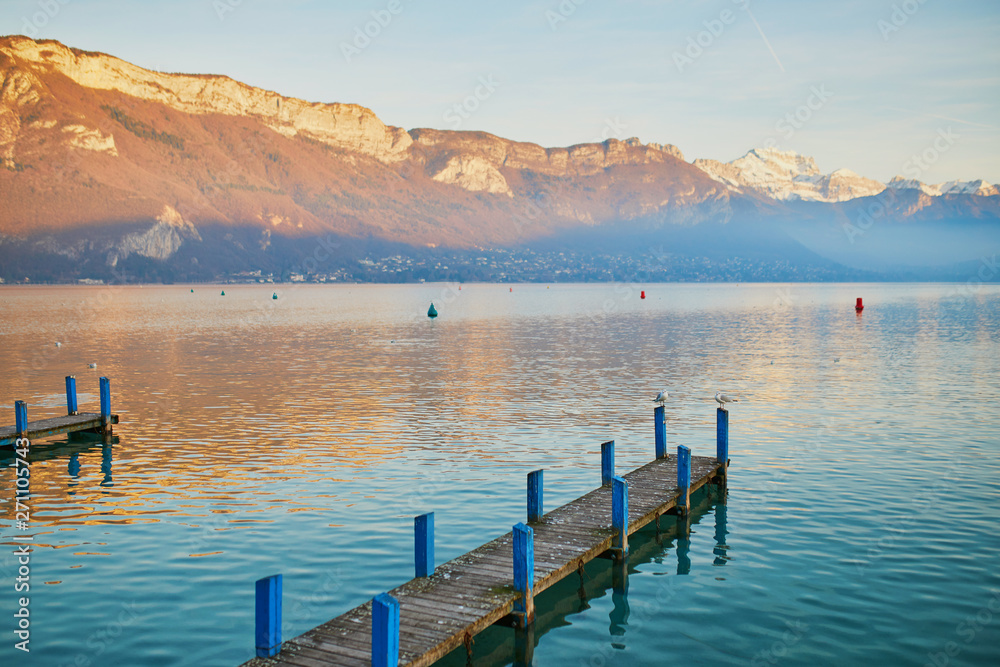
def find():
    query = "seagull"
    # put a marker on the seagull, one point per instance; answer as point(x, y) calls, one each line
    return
point(93, 365)
point(836, 359)
point(661, 398)
point(58, 344)
point(723, 398)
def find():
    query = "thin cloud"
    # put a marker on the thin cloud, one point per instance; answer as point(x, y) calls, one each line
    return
point(931, 115)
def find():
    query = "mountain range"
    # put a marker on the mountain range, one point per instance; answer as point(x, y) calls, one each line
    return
point(115, 172)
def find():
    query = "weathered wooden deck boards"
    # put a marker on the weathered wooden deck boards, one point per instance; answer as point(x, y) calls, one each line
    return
point(47, 427)
point(466, 595)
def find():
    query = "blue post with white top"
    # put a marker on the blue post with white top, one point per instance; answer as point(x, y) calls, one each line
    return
point(660, 429)
point(619, 516)
point(71, 405)
point(268, 616)
point(423, 544)
point(20, 417)
point(684, 477)
point(385, 631)
point(535, 496)
point(722, 438)
point(106, 402)
point(607, 462)
point(524, 573)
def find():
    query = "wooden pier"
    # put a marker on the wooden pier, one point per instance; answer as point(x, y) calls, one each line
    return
point(444, 608)
point(73, 422)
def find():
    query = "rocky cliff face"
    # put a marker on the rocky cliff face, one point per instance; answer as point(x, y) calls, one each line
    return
point(89, 139)
point(347, 126)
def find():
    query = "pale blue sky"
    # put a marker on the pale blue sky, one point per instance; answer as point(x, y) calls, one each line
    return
point(608, 69)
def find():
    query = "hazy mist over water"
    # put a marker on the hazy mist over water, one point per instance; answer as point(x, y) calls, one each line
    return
point(301, 435)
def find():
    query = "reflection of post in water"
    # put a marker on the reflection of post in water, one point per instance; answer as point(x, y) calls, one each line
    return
point(721, 550)
point(524, 645)
point(106, 465)
point(683, 543)
point(619, 596)
point(74, 472)
point(581, 593)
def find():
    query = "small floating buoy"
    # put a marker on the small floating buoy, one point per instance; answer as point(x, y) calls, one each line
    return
point(432, 312)
point(642, 294)
point(223, 292)
point(274, 296)
point(58, 344)
point(511, 289)
point(192, 291)
point(859, 306)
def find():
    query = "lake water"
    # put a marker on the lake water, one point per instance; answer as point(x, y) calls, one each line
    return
point(301, 435)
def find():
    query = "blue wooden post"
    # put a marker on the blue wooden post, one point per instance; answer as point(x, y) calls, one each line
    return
point(71, 405)
point(722, 436)
point(684, 477)
point(524, 573)
point(105, 401)
point(660, 428)
point(619, 516)
point(385, 631)
point(423, 544)
point(535, 495)
point(268, 633)
point(607, 462)
point(20, 417)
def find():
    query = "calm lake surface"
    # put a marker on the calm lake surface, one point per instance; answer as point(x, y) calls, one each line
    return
point(301, 435)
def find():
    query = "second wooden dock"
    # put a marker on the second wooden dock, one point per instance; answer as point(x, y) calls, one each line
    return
point(72, 422)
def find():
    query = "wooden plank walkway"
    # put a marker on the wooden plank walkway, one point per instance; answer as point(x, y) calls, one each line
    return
point(468, 594)
point(43, 428)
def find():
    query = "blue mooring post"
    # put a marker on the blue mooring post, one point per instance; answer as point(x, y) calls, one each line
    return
point(268, 600)
point(607, 462)
point(106, 401)
point(524, 573)
point(660, 426)
point(535, 494)
point(423, 544)
point(722, 439)
point(71, 405)
point(20, 417)
point(684, 477)
point(385, 631)
point(619, 517)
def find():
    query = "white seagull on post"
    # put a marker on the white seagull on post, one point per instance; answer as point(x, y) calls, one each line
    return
point(723, 398)
point(661, 398)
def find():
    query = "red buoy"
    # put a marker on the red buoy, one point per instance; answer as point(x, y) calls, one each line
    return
point(642, 295)
point(860, 306)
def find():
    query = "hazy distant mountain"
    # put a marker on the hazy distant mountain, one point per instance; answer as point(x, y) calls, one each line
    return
point(108, 166)
point(978, 187)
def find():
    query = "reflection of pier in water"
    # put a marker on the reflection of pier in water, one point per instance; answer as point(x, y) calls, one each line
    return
point(574, 595)
point(71, 449)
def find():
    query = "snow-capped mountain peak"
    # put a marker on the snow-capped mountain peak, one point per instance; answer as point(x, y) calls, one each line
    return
point(787, 175)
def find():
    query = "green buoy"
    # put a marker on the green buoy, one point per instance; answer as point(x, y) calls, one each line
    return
point(192, 291)
point(432, 312)
point(274, 296)
point(223, 292)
